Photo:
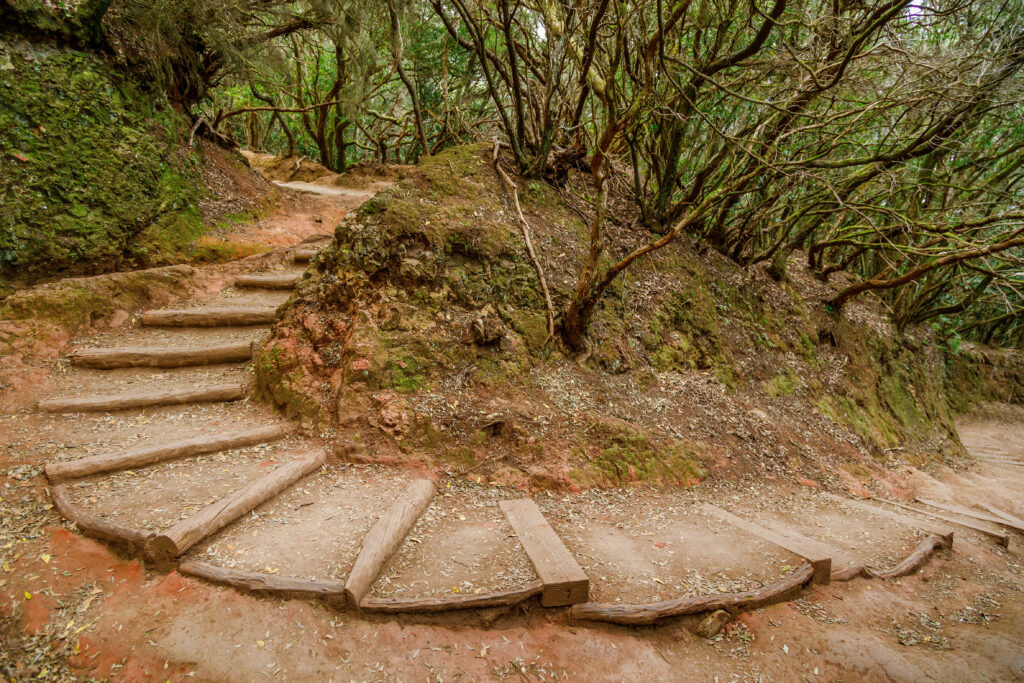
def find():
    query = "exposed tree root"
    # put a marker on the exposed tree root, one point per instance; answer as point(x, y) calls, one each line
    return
point(267, 584)
point(928, 546)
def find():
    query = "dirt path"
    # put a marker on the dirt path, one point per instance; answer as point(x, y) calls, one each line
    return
point(73, 606)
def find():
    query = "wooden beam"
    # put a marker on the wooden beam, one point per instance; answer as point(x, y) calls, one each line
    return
point(943, 531)
point(232, 391)
point(162, 356)
point(1005, 515)
point(269, 280)
point(818, 554)
point(385, 536)
point(238, 316)
point(565, 583)
point(998, 536)
point(448, 603)
point(147, 455)
point(616, 613)
point(267, 584)
point(186, 533)
point(967, 512)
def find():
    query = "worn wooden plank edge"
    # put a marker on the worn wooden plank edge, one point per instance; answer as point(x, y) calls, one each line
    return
point(918, 558)
point(267, 584)
point(451, 603)
point(130, 539)
point(618, 613)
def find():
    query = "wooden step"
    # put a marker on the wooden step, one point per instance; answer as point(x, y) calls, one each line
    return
point(148, 455)
point(162, 356)
point(815, 552)
point(237, 316)
point(565, 582)
point(967, 512)
point(941, 530)
point(999, 537)
point(269, 280)
point(186, 533)
point(144, 399)
point(304, 255)
point(384, 538)
point(1003, 514)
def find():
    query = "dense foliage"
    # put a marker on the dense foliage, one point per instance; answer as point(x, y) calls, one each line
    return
point(880, 139)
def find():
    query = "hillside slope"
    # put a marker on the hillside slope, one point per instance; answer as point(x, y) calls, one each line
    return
point(422, 336)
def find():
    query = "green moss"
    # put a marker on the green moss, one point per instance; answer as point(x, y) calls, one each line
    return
point(627, 455)
point(783, 384)
point(87, 162)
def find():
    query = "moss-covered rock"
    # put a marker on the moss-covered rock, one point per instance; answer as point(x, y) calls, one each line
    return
point(88, 162)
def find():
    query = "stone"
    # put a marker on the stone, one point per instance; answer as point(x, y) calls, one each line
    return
point(711, 625)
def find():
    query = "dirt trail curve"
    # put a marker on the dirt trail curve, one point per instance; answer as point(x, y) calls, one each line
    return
point(154, 448)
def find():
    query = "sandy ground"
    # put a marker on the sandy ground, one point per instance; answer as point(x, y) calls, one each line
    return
point(73, 608)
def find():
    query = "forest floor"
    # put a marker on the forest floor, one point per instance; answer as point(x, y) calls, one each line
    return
point(72, 607)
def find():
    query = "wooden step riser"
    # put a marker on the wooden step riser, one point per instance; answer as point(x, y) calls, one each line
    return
point(149, 455)
point(211, 317)
point(287, 281)
point(162, 357)
point(131, 401)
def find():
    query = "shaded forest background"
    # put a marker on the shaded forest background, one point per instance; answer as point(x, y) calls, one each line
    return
point(881, 141)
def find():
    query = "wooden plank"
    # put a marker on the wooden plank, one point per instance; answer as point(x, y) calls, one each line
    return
point(186, 533)
point(239, 316)
point(384, 538)
point(967, 512)
point(143, 399)
point(147, 455)
point(565, 583)
point(815, 552)
point(1005, 515)
point(999, 537)
point(269, 280)
point(943, 531)
point(162, 356)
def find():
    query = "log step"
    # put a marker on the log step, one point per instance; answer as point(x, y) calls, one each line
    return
point(384, 538)
point(999, 537)
point(269, 280)
point(211, 317)
point(148, 455)
point(967, 512)
point(186, 533)
point(162, 356)
point(565, 582)
point(304, 255)
point(144, 399)
point(939, 529)
point(815, 552)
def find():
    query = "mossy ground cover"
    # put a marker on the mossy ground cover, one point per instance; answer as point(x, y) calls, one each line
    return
point(88, 162)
